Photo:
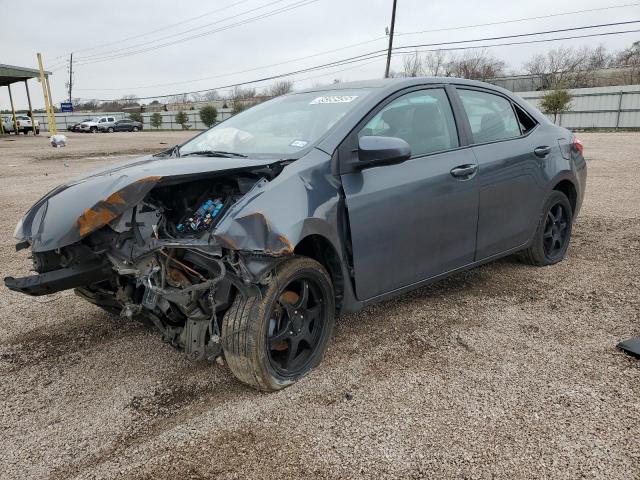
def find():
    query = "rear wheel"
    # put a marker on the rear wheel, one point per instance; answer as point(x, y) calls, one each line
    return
point(553, 234)
point(272, 341)
point(110, 129)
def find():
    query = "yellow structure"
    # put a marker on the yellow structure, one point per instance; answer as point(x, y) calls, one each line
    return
point(10, 74)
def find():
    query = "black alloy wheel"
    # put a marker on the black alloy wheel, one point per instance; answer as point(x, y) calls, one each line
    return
point(555, 230)
point(271, 340)
point(551, 239)
point(295, 327)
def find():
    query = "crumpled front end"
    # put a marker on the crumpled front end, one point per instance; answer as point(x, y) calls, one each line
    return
point(172, 250)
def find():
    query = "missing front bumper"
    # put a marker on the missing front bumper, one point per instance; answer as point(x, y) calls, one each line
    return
point(62, 279)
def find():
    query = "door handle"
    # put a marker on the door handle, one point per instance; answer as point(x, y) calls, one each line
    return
point(542, 151)
point(464, 171)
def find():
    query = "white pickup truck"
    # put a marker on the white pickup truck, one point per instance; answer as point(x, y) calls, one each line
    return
point(24, 124)
point(92, 126)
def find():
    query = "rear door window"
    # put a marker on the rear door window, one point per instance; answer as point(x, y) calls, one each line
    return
point(422, 118)
point(491, 116)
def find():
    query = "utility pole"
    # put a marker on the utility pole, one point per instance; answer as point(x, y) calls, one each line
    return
point(393, 24)
point(70, 76)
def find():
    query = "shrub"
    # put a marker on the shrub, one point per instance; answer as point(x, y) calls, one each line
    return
point(156, 120)
point(555, 102)
point(137, 116)
point(182, 119)
point(209, 115)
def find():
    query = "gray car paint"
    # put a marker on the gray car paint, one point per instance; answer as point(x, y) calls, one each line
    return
point(307, 198)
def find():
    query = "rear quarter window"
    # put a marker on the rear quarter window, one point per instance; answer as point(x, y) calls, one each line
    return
point(491, 117)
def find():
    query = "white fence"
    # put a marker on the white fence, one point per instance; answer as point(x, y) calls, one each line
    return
point(598, 107)
point(63, 120)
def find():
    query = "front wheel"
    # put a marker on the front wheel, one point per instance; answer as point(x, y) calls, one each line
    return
point(272, 341)
point(551, 240)
point(134, 129)
point(110, 130)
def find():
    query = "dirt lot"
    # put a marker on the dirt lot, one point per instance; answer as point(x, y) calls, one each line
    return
point(504, 371)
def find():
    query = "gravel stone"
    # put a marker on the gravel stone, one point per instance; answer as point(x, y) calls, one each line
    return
point(504, 371)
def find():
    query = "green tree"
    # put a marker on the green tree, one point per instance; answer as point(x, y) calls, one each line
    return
point(182, 119)
point(137, 116)
point(156, 120)
point(209, 115)
point(555, 102)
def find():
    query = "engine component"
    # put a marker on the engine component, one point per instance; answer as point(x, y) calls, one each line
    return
point(203, 218)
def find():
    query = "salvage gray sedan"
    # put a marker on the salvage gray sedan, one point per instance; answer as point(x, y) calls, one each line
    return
point(248, 240)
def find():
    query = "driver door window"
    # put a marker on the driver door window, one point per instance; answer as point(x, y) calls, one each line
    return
point(423, 119)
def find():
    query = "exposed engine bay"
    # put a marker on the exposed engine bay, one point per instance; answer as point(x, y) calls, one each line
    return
point(161, 260)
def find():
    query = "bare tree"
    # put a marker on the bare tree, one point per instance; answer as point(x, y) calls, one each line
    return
point(412, 64)
point(434, 64)
point(129, 100)
point(280, 88)
point(211, 95)
point(567, 67)
point(242, 98)
point(475, 65)
point(208, 96)
point(629, 60)
point(179, 98)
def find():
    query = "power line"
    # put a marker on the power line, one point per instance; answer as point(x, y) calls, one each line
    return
point(230, 74)
point(161, 28)
point(112, 55)
point(358, 44)
point(382, 53)
point(503, 22)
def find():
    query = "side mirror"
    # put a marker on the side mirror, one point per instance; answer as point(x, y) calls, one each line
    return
point(375, 151)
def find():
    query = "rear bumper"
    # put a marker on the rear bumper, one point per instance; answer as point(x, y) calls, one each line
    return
point(62, 279)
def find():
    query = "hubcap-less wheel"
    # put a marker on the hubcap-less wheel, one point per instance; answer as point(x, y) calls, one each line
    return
point(555, 231)
point(295, 327)
point(135, 129)
point(272, 339)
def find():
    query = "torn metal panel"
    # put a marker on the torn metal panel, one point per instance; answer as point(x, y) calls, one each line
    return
point(59, 218)
point(114, 205)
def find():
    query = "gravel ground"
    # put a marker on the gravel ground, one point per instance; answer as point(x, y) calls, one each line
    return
point(505, 371)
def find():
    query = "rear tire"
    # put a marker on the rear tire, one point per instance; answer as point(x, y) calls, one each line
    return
point(272, 341)
point(110, 130)
point(553, 234)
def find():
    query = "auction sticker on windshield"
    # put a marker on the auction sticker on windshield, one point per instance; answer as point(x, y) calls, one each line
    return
point(333, 99)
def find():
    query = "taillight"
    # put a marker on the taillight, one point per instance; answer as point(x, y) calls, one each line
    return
point(578, 145)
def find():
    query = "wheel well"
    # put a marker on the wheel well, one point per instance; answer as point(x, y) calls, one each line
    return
point(321, 250)
point(566, 187)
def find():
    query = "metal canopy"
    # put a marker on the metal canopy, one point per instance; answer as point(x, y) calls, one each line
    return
point(10, 74)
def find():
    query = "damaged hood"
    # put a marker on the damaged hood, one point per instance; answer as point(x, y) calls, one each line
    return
point(75, 209)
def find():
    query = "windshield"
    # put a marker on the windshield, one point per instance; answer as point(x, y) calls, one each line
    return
point(279, 128)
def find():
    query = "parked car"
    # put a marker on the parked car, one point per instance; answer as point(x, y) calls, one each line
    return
point(76, 127)
point(92, 125)
point(24, 124)
point(247, 240)
point(126, 125)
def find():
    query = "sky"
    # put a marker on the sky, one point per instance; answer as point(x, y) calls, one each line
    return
point(291, 35)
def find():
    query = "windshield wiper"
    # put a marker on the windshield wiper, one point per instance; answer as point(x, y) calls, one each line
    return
point(215, 153)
